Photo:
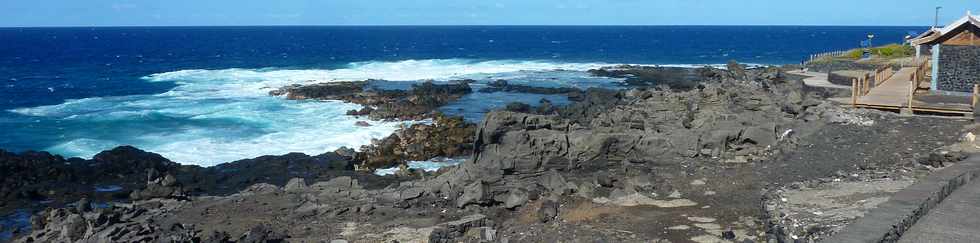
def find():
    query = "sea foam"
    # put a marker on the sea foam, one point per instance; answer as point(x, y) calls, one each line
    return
point(215, 116)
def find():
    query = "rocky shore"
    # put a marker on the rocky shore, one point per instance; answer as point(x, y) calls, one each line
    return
point(681, 155)
point(416, 103)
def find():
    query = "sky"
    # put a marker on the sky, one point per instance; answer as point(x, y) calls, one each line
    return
point(29, 13)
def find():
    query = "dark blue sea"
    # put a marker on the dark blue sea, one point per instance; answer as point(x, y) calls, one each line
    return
point(198, 95)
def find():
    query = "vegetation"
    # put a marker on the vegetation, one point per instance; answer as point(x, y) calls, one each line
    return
point(886, 51)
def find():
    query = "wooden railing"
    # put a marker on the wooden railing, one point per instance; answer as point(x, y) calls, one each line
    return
point(815, 57)
point(976, 97)
point(883, 73)
point(920, 72)
point(860, 87)
point(918, 77)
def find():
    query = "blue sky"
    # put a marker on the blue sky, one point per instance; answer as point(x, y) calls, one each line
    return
point(476, 12)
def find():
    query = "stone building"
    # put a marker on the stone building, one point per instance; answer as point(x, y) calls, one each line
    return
point(955, 54)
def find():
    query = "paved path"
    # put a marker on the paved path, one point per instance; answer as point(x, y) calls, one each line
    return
point(818, 79)
point(956, 219)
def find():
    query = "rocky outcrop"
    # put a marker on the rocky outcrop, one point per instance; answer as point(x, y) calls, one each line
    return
point(504, 86)
point(733, 121)
point(676, 77)
point(526, 168)
point(417, 103)
point(129, 173)
point(159, 186)
point(39, 176)
point(444, 137)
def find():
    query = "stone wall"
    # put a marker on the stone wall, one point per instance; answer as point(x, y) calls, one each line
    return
point(959, 68)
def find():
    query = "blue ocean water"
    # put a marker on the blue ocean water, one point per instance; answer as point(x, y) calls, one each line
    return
point(199, 94)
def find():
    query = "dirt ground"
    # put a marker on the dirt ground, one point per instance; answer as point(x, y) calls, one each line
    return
point(870, 161)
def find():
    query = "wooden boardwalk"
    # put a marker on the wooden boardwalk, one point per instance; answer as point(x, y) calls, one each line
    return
point(896, 93)
point(892, 93)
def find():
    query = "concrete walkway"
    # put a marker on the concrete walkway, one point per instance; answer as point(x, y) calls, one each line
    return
point(818, 79)
point(942, 207)
point(956, 219)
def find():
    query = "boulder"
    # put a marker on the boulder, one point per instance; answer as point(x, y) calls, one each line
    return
point(296, 185)
point(515, 198)
point(759, 136)
point(165, 186)
point(548, 211)
point(449, 231)
point(474, 193)
point(262, 234)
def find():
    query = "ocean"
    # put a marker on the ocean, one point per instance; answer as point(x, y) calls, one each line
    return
point(199, 95)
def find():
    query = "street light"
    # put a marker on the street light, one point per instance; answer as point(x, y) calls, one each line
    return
point(870, 46)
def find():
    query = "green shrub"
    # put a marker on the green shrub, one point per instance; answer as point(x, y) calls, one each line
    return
point(893, 51)
point(855, 54)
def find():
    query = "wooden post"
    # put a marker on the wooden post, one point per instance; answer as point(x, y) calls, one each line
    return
point(976, 95)
point(867, 85)
point(854, 92)
point(912, 96)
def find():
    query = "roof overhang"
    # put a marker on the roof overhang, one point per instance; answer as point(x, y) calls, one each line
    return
point(937, 33)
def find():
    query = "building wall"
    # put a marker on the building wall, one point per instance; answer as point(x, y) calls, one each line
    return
point(958, 68)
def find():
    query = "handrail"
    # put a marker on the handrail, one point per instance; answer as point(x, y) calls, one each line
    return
point(860, 86)
point(976, 97)
point(918, 76)
point(814, 57)
point(882, 74)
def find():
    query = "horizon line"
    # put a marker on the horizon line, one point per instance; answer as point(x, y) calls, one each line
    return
point(447, 25)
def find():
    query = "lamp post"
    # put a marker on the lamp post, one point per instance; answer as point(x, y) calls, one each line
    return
point(870, 46)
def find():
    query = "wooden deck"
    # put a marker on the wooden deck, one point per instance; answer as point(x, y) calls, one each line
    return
point(885, 90)
point(889, 94)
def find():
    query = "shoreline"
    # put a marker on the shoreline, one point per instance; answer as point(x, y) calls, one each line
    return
point(538, 170)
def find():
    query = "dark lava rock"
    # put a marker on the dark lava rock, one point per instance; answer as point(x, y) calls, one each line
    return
point(450, 231)
point(83, 205)
point(417, 103)
point(32, 176)
point(728, 235)
point(445, 137)
point(112, 224)
point(675, 77)
point(548, 211)
point(516, 157)
point(504, 86)
point(475, 193)
point(515, 198)
point(157, 186)
point(262, 234)
point(940, 159)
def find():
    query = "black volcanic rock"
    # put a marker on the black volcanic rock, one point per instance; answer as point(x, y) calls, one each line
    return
point(445, 137)
point(531, 176)
point(679, 78)
point(417, 103)
point(504, 86)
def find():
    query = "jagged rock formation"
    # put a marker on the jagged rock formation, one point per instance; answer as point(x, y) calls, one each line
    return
point(504, 86)
point(445, 137)
point(527, 168)
point(417, 103)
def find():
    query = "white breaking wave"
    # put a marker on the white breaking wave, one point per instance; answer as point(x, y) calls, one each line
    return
point(215, 116)
point(427, 166)
point(408, 70)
